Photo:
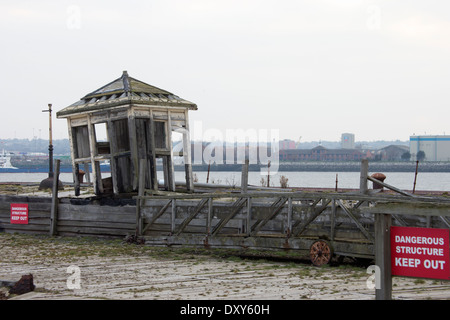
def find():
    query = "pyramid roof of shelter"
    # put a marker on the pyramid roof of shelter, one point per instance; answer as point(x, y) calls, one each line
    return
point(124, 91)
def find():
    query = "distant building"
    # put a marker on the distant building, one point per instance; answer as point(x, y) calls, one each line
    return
point(436, 148)
point(393, 152)
point(348, 141)
point(320, 153)
point(287, 144)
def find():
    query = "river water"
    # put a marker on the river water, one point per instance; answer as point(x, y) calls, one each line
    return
point(429, 181)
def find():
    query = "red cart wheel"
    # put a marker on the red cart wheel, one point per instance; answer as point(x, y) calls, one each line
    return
point(320, 253)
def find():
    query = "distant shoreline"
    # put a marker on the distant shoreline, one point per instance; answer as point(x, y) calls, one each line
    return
point(288, 167)
point(330, 167)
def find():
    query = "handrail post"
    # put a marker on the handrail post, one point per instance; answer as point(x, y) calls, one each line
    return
point(363, 176)
point(54, 209)
point(383, 255)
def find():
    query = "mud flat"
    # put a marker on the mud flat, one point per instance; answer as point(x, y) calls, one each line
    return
point(112, 269)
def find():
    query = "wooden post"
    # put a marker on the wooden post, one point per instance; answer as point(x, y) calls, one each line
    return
point(187, 155)
point(244, 177)
point(363, 177)
point(173, 217)
point(170, 167)
point(210, 215)
point(133, 148)
point(153, 169)
point(141, 192)
point(289, 218)
point(113, 151)
point(75, 166)
point(54, 209)
point(249, 216)
point(98, 186)
point(333, 219)
point(415, 177)
point(383, 255)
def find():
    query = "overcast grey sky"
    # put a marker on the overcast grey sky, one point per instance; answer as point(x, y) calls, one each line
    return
point(312, 69)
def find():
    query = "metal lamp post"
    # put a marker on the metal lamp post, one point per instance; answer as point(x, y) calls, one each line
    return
point(48, 183)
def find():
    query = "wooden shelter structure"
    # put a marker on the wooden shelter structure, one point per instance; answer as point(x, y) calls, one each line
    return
point(138, 119)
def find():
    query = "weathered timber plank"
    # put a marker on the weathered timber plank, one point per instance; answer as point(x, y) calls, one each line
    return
point(102, 224)
point(38, 228)
point(31, 206)
point(421, 209)
point(87, 231)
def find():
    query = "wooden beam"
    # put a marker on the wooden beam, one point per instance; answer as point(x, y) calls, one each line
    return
point(277, 207)
point(74, 164)
point(363, 176)
point(170, 168)
point(153, 169)
point(199, 207)
point(391, 187)
point(173, 216)
point(133, 149)
point(141, 191)
point(355, 220)
point(156, 216)
point(54, 209)
point(244, 176)
point(98, 186)
point(237, 206)
point(289, 218)
point(383, 256)
point(412, 208)
point(187, 154)
point(112, 137)
point(316, 212)
point(210, 214)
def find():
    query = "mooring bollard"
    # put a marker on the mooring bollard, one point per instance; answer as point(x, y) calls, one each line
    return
point(379, 176)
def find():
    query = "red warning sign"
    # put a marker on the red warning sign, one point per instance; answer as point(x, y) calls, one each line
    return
point(19, 213)
point(420, 252)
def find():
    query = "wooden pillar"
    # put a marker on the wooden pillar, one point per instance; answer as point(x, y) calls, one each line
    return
point(187, 155)
point(249, 216)
point(383, 255)
point(173, 216)
point(54, 209)
point(333, 219)
point(209, 217)
point(289, 218)
point(244, 176)
point(113, 151)
point(98, 186)
point(152, 151)
point(170, 168)
point(141, 193)
point(75, 166)
point(133, 149)
point(363, 176)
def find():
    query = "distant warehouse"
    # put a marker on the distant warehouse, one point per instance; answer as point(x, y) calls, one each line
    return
point(434, 148)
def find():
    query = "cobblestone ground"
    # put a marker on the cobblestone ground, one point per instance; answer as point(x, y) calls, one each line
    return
point(88, 268)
